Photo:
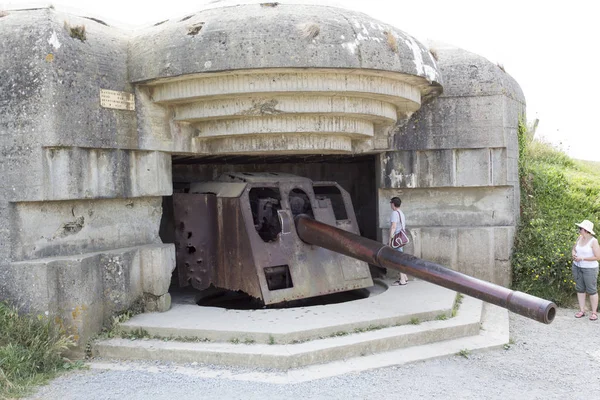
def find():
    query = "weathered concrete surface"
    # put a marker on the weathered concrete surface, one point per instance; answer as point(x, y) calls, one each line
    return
point(455, 168)
point(388, 346)
point(78, 173)
point(294, 111)
point(72, 227)
point(274, 339)
point(494, 333)
point(385, 306)
point(291, 79)
point(249, 36)
point(84, 291)
point(80, 204)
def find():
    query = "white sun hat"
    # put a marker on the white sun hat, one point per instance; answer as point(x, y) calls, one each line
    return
point(588, 226)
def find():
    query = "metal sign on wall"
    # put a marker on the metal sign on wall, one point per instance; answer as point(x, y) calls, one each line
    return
point(117, 100)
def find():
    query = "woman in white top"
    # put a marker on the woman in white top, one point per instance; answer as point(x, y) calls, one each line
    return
point(586, 254)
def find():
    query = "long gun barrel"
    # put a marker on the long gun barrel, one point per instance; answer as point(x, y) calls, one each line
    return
point(372, 252)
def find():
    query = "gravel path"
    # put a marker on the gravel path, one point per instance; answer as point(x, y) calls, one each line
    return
point(557, 361)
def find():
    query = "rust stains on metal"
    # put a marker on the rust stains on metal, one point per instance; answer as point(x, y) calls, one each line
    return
point(195, 238)
point(242, 226)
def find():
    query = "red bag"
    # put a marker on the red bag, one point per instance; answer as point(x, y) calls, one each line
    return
point(400, 238)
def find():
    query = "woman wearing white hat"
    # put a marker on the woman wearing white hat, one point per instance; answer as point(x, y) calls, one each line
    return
point(586, 254)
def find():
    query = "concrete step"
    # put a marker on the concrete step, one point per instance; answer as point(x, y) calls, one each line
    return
point(466, 323)
point(494, 333)
point(388, 306)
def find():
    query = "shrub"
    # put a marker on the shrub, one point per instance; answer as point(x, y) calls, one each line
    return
point(30, 351)
point(556, 192)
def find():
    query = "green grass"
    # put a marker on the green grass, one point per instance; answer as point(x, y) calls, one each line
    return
point(369, 328)
point(30, 352)
point(457, 302)
point(339, 333)
point(556, 192)
point(464, 353)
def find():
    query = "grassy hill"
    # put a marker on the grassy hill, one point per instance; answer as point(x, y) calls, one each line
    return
point(556, 192)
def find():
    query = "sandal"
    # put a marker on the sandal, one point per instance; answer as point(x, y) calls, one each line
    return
point(593, 317)
point(581, 314)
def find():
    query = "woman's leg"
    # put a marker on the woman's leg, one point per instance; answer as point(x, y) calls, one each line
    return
point(404, 279)
point(594, 289)
point(594, 302)
point(580, 289)
point(590, 277)
point(581, 300)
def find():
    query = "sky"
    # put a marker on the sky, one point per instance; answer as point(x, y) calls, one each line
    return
point(549, 47)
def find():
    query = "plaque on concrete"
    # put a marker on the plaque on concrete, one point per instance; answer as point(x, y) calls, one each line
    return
point(117, 100)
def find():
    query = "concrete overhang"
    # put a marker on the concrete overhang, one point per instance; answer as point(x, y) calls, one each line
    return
point(265, 78)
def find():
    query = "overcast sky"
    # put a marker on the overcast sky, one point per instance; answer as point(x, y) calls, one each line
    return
point(550, 48)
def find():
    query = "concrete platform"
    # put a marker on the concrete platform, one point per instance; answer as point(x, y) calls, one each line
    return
point(494, 333)
point(388, 306)
point(413, 322)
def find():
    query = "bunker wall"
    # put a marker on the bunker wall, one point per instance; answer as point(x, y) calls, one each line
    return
point(455, 169)
point(80, 202)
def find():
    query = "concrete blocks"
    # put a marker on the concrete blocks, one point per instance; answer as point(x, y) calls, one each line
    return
point(473, 167)
point(444, 168)
point(157, 303)
point(83, 226)
point(455, 122)
point(482, 252)
point(475, 252)
point(84, 291)
point(61, 83)
point(455, 168)
point(155, 277)
point(479, 206)
point(76, 173)
point(438, 245)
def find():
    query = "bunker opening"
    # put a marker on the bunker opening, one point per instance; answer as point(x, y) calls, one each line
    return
point(231, 219)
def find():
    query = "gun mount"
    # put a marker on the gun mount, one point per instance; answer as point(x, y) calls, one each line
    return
point(279, 237)
point(238, 233)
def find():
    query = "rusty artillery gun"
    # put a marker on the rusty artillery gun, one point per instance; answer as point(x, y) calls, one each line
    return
point(280, 237)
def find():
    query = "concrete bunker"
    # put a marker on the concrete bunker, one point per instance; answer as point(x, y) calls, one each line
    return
point(356, 102)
